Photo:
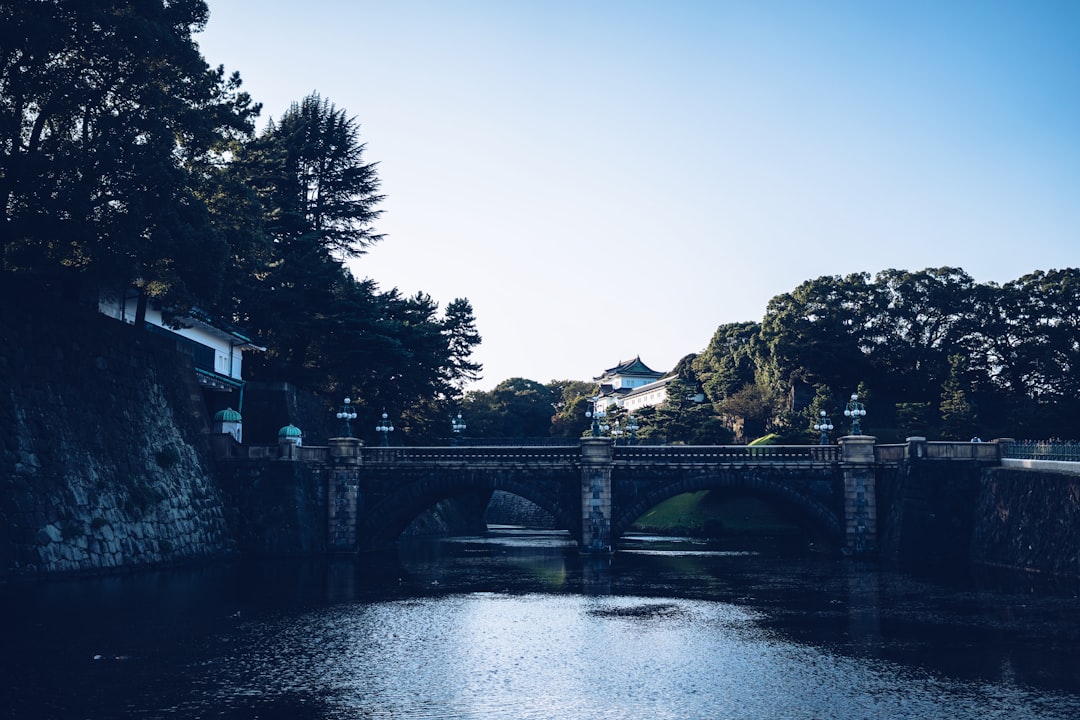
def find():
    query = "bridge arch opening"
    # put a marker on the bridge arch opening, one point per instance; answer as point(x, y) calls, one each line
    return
point(506, 508)
point(712, 503)
point(736, 514)
point(409, 509)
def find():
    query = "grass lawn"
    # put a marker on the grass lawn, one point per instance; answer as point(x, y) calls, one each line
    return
point(714, 514)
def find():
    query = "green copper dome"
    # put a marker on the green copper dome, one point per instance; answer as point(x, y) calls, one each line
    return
point(289, 431)
point(227, 415)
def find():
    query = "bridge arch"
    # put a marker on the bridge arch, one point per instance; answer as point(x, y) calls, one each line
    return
point(783, 488)
point(387, 518)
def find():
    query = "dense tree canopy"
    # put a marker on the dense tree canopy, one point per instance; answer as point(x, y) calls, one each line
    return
point(125, 160)
point(944, 356)
point(110, 121)
point(324, 328)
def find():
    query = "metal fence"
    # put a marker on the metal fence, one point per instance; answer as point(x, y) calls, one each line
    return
point(1066, 451)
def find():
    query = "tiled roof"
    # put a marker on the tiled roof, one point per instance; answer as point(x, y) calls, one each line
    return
point(631, 367)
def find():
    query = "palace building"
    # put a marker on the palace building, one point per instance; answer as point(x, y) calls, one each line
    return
point(633, 385)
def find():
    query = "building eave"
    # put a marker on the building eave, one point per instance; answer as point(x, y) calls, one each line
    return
point(217, 381)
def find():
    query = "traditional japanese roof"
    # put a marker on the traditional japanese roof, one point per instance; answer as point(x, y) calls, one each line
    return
point(631, 367)
point(220, 327)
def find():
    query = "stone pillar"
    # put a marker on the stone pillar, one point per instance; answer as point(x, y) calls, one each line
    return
point(596, 460)
point(916, 447)
point(290, 437)
point(343, 494)
point(860, 494)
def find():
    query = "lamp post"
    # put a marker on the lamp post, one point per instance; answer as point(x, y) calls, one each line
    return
point(385, 427)
point(616, 431)
point(631, 429)
point(458, 426)
point(597, 416)
point(824, 427)
point(855, 410)
point(345, 414)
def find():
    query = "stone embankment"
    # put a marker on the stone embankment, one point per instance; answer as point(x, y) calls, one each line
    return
point(1028, 519)
point(958, 513)
point(105, 462)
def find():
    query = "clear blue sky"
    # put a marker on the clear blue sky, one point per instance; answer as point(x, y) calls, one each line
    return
point(617, 178)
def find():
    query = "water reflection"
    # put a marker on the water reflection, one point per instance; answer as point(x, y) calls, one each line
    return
point(517, 624)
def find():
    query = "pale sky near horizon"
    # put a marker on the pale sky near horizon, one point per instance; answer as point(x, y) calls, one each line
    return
point(617, 178)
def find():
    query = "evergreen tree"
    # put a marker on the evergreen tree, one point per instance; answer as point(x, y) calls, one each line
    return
point(110, 120)
point(459, 329)
point(957, 414)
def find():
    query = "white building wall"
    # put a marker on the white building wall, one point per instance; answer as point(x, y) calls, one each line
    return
point(227, 358)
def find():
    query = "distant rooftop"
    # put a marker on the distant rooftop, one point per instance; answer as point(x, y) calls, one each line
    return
point(631, 367)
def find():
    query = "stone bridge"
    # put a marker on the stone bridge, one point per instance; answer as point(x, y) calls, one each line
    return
point(596, 489)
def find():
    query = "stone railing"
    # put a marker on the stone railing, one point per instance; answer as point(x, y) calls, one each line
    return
point(944, 450)
point(473, 454)
point(227, 448)
point(684, 454)
point(938, 450)
point(890, 453)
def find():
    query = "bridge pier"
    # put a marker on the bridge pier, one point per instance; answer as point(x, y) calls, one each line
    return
point(860, 494)
point(597, 456)
point(343, 494)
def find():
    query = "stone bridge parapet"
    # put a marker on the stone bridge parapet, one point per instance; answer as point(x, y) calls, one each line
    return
point(596, 489)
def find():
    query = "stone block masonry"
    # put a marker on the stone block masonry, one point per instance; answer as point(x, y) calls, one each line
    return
point(104, 461)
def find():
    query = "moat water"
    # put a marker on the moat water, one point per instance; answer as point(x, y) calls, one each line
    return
point(516, 624)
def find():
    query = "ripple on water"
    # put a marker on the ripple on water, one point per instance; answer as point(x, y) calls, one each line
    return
point(570, 656)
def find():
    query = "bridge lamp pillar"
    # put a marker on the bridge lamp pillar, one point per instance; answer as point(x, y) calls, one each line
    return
point(457, 424)
point(596, 461)
point(860, 494)
point(343, 493)
point(597, 415)
point(855, 410)
point(346, 414)
point(824, 426)
point(385, 427)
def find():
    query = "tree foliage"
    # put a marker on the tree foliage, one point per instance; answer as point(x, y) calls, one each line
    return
point(515, 408)
point(937, 352)
point(324, 328)
point(110, 123)
point(125, 160)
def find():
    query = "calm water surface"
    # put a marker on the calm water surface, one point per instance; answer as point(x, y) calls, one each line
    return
point(517, 625)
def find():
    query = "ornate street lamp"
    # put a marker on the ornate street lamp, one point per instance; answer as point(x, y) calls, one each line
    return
point(458, 426)
point(345, 414)
point(616, 431)
point(825, 426)
point(855, 410)
point(597, 415)
point(631, 428)
point(385, 427)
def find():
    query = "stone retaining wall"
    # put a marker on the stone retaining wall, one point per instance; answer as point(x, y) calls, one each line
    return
point(1028, 519)
point(104, 461)
point(956, 512)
